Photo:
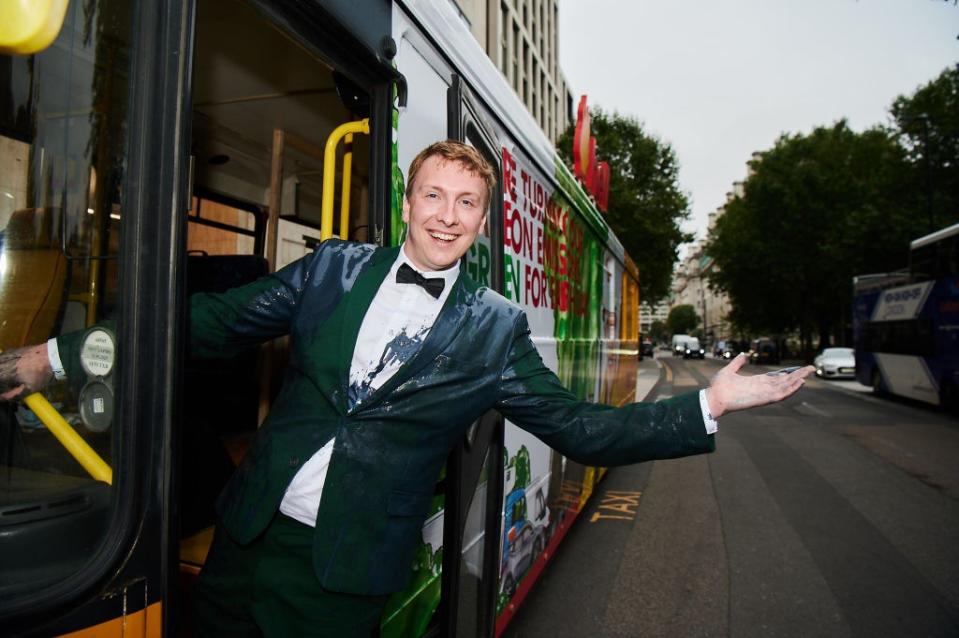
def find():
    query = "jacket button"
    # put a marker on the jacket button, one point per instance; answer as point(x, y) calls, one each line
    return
point(294, 461)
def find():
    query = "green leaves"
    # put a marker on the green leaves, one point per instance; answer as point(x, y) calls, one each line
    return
point(646, 204)
point(824, 207)
point(818, 210)
point(682, 319)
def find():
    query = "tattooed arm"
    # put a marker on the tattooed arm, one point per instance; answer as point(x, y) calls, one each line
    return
point(730, 391)
point(24, 371)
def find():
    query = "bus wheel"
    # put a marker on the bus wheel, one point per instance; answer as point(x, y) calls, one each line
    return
point(877, 383)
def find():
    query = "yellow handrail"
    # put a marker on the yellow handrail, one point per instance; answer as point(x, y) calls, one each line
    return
point(68, 437)
point(28, 27)
point(329, 174)
point(345, 186)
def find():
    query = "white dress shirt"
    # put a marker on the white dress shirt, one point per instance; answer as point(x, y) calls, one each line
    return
point(395, 326)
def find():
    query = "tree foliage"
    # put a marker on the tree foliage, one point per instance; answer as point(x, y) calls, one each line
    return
point(646, 204)
point(817, 210)
point(928, 127)
point(682, 319)
point(821, 208)
point(658, 331)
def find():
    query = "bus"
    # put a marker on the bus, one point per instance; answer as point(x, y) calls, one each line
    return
point(906, 324)
point(151, 149)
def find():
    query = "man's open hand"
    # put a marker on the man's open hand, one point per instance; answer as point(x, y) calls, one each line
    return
point(24, 371)
point(730, 391)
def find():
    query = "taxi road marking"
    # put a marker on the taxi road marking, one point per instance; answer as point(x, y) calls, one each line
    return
point(620, 506)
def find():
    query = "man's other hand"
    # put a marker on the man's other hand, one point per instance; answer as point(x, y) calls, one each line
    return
point(730, 391)
point(24, 371)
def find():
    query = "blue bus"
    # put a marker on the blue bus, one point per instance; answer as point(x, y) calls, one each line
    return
point(906, 324)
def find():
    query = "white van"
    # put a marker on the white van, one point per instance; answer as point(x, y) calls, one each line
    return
point(679, 344)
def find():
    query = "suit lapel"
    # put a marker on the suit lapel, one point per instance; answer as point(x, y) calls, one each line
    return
point(453, 316)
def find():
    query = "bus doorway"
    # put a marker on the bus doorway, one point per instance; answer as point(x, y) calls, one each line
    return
point(265, 104)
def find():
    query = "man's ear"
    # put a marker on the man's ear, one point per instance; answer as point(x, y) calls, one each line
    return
point(406, 210)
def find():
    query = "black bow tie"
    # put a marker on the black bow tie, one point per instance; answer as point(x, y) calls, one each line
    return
point(406, 275)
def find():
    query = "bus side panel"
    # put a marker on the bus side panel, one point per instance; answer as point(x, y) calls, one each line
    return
point(571, 289)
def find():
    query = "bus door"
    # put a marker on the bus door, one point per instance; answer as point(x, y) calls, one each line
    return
point(474, 474)
point(289, 147)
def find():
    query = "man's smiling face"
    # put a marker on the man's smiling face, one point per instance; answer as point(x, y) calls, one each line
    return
point(444, 214)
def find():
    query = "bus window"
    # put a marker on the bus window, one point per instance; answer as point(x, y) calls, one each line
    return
point(223, 228)
point(62, 136)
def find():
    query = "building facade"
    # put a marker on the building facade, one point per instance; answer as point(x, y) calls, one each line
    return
point(521, 38)
point(650, 314)
point(691, 282)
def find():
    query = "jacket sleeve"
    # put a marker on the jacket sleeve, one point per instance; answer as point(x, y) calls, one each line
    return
point(531, 396)
point(223, 324)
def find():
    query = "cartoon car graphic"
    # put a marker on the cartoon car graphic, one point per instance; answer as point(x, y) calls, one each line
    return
point(524, 535)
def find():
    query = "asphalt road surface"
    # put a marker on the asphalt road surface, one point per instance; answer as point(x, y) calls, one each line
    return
point(834, 513)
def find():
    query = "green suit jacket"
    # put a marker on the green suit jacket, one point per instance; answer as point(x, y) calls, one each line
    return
point(390, 448)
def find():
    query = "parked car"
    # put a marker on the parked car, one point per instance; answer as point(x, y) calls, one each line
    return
point(764, 351)
point(646, 349)
point(836, 363)
point(692, 349)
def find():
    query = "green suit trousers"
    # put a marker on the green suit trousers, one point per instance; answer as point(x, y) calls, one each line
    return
point(268, 588)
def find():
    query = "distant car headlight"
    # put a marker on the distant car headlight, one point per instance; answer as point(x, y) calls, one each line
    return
point(701, 351)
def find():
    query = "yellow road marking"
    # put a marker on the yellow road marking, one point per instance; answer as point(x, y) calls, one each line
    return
point(669, 372)
point(623, 505)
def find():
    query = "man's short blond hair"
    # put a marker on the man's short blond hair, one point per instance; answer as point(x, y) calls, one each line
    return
point(464, 155)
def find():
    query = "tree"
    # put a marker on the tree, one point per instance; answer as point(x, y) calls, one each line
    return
point(817, 210)
point(646, 204)
point(682, 319)
point(928, 126)
point(658, 331)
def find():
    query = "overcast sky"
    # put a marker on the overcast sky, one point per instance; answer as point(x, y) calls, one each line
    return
point(720, 79)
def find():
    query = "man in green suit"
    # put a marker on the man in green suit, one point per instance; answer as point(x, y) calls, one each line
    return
point(394, 353)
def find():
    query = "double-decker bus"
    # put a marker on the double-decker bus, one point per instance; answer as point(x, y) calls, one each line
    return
point(906, 324)
point(150, 149)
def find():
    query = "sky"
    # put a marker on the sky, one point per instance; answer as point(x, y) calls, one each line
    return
point(721, 79)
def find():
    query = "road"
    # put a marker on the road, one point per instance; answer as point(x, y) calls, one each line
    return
point(834, 513)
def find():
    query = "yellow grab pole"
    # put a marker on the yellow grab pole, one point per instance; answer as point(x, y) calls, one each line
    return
point(345, 189)
point(329, 171)
point(69, 438)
